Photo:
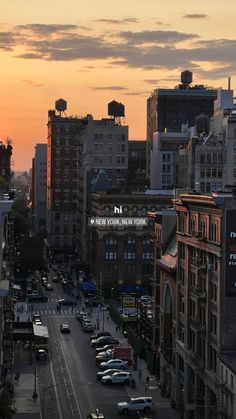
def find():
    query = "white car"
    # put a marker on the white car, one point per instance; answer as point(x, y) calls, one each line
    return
point(121, 377)
point(137, 404)
point(113, 363)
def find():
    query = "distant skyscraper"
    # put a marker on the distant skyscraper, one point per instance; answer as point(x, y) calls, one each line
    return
point(62, 183)
point(39, 189)
point(168, 109)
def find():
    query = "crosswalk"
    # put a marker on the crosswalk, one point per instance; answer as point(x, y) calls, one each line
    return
point(67, 312)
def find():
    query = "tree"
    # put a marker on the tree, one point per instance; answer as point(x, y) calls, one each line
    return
point(6, 409)
point(31, 254)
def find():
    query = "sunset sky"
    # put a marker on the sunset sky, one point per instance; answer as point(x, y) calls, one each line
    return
point(92, 52)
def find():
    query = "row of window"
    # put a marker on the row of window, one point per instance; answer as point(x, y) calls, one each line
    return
point(197, 345)
point(119, 137)
point(198, 229)
point(211, 158)
point(112, 240)
point(211, 173)
point(128, 255)
point(129, 269)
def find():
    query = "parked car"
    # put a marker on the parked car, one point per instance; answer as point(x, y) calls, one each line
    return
point(122, 377)
point(67, 302)
point(65, 328)
point(55, 279)
point(104, 356)
point(104, 340)
point(104, 348)
point(110, 371)
point(99, 334)
point(87, 326)
point(113, 363)
point(79, 315)
point(137, 404)
point(49, 287)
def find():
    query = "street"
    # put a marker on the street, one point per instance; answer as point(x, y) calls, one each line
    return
point(67, 380)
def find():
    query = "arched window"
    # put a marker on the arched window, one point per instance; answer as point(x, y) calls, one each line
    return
point(111, 240)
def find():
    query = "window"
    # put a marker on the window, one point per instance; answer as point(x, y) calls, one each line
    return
point(181, 332)
point(192, 340)
point(213, 291)
point(130, 240)
point(234, 146)
point(212, 358)
point(123, 148)
point(118, 159)
point(192, 308)
point(146, 242)
point(213, 324)
point(111, 240)
point(111, 255)
point(181, 303)
point(181, 223)
point(57, 228)
point(100, 159)
point(147, 255)
point(192, 279)
point(129, 255)
point(181, 275)
point(122, 159)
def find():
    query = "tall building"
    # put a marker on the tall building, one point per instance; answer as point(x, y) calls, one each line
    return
point(5, 164)
point(39, 187)
point(168, 109)
point(205, 303)
point(136, 165)
point(163, 158)
point(121, 255)
point(102, 165)
point(62, 183)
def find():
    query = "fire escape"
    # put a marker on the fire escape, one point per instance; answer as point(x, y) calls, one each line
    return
point(8, 308)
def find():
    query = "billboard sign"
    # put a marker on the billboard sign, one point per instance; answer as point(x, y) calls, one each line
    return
point(128, 301)
point(230, 253)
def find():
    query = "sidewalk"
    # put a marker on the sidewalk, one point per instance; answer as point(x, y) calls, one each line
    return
point(27, 406)
point(139, 390)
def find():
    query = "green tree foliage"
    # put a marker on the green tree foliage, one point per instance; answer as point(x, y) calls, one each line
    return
point(31, 254)
point(21, 216)
point(6, 409)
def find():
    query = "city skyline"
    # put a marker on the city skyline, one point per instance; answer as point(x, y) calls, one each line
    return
point(93, 54)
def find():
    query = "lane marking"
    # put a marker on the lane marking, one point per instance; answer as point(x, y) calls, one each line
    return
point(72, 385)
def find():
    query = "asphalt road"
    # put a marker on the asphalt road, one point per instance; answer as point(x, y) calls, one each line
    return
point(72, 366)
point(70, 371)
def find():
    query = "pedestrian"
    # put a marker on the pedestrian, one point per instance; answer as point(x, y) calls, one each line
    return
point(140, 373)
point(147, 384)
point(17, 376)
point(117, 328)
point(18, 318)
point(72, 309)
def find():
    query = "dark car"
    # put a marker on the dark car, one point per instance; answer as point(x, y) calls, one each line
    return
point(65, 328)
point(67, 302)
point(104, 340)
point(99, 334)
